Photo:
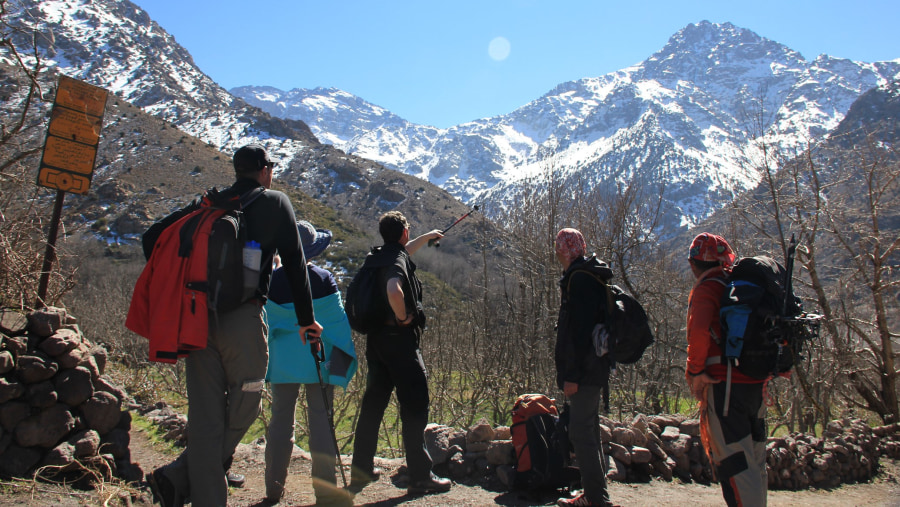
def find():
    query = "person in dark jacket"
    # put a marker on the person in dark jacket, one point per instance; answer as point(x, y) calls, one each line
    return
point(225, 380)
point(580, 371)
point(395, 362)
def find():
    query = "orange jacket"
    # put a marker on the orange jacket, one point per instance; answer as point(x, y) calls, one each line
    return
point(173, 317)
point(704, 331)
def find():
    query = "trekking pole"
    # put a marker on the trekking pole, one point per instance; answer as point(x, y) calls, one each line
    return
point(436, 241)
point(318, 352)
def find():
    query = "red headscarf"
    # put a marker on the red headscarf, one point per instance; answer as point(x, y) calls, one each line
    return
point(712, 248)
point(570, 244)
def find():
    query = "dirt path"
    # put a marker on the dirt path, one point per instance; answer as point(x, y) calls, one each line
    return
point(883, 491)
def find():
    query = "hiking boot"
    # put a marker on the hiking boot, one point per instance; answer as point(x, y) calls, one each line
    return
point(360, 479)
point(235, 480)
point(163, 490)
point(582, 501)
point(432, 484)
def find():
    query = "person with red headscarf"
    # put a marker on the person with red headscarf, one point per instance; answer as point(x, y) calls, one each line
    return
point(582, 372)
point(732, 413)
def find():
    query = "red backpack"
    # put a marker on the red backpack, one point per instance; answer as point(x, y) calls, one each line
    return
point(195, 268)
point(541, 441)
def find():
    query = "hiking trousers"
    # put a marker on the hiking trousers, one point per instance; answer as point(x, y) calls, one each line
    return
point(224, 385)
point(394, 362)
point(280, 438)
point(739, 443)
point(584, 433)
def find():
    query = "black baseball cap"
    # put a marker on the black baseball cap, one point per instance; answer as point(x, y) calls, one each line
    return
point(251, 158)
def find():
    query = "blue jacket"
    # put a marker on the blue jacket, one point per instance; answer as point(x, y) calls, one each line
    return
point(292, 362)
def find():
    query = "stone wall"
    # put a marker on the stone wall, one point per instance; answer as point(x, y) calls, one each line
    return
point(60, 415)
point(668, 447)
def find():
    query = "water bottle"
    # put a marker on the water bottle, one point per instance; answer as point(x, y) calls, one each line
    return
point(252, 263)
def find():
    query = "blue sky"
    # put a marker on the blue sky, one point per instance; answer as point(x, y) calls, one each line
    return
point(433, 62)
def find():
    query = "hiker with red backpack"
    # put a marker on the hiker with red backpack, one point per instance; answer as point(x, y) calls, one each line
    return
point(581, 372)
point(293, 365)
point(225, 378)
point(732, 412)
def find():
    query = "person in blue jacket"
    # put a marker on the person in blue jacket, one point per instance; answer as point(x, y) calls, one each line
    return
point(292, 365)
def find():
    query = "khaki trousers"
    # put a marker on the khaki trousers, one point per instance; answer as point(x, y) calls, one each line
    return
point(224, 384)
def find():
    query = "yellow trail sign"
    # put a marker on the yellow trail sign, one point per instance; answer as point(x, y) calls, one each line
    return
point(71, 146)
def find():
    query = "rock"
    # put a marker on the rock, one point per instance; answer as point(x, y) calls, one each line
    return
point(620, 453)
point(501, 452)
point(623, 436)
point(481, 432)
point(690, 427)
point(100, 356)
point(665, 468)
point(670, 433)
point(605, 433)
point(18, 345)
point(45, 321)
point(459, 467)
point(657, 450)
point(458, 438)
point(74, 357)
point(47, 428)
point(437, 441)
point(10, 390)
point(101, 412)
point(12, 413)
point(12, 322)
point(502, 433)
point(678, 447)
point(17, 461)
point(7, 361)
point(617, 470)
point(638, 438)
point(74, 386)
point(641, 455)
point(36, 368)
point(116, 443)
point(60, 459)
point(477, 447)
point(63, 340)
point(41, 395)
point(86, 443)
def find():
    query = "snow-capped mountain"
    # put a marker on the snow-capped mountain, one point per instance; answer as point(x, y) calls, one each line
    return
point(688, 114)
point(115, 45)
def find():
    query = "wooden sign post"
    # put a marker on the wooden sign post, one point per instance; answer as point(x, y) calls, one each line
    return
point(70, 150)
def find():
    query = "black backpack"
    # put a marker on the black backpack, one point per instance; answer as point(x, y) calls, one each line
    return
point(626, 321)
point(224, 282)
point(365, 304)
point(757, 310)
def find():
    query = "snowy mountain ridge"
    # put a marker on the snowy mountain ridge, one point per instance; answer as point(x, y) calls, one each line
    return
point(690, 115)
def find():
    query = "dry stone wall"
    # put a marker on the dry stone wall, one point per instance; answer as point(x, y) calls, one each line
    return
point(668, 447)
point(60, 415)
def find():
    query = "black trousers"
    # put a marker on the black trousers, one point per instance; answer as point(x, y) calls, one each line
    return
point(394, 362)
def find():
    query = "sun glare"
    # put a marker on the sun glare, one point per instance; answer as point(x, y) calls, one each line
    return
point(498, 49)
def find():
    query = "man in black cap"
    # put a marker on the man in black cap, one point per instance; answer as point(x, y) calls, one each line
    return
point(225, 380)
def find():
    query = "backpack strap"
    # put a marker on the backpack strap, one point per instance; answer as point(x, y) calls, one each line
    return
point(609, 294)
point(252, 195)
